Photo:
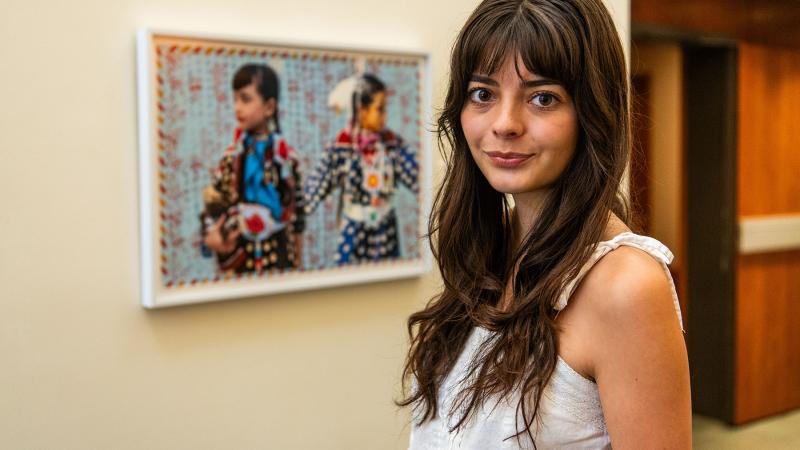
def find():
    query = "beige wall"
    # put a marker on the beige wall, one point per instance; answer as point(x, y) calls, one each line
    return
point(84, 366)
point(664, 64)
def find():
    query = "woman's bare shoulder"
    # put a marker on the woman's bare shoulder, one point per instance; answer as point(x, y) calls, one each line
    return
point(625, 281)
point(636, 352)
point(626, 274)
point(629, 281)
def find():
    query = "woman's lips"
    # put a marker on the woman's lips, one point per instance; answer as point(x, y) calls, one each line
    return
point(508, 160)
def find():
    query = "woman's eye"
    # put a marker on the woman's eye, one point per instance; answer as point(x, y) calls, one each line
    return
point(480, 95)
point(544, 100)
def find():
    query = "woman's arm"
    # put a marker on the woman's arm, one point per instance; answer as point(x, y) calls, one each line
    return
point(638, 354)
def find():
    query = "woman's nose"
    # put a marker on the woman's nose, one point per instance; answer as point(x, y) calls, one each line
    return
point(508, 122)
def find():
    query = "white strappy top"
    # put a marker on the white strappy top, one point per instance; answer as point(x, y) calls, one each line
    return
point(570, 415)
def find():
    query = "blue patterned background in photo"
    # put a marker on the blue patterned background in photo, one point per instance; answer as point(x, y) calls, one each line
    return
point(197, 122)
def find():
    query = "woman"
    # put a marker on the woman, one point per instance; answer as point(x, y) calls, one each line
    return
point(557, 326)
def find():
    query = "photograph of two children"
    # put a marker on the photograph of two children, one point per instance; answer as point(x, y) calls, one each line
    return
point(267, 168)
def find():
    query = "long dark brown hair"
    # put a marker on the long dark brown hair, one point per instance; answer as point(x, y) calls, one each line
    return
point(470, 228)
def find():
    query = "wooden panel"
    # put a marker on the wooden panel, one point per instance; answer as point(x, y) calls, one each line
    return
point(769, 110)
point(772, 22)
point(727, 17)
point(767, 377)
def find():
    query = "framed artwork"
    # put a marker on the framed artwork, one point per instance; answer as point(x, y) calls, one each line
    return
point(269, 167)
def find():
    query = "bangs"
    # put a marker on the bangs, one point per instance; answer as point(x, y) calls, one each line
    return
point(544, 46)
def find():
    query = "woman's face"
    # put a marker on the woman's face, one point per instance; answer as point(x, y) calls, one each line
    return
point(521, 128)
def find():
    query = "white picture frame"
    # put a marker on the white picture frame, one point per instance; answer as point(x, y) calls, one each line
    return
point(178, 133)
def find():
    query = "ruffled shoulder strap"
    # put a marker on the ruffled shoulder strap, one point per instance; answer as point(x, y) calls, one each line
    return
point(647, 244)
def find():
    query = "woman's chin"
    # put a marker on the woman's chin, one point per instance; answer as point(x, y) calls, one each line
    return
point(507, 186)
point(514, 187)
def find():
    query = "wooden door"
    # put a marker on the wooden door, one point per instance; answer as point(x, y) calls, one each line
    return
point(767, 376)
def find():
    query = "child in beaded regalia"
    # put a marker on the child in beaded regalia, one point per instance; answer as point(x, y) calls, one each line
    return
point(253, 218)
point(367, 161)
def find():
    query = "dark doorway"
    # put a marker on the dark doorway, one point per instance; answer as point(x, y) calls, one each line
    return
point(706, 276)
point(710, 81)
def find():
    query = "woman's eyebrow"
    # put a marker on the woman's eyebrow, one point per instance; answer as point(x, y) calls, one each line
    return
point(483, 79)
point(539, 82)
point(525, 83)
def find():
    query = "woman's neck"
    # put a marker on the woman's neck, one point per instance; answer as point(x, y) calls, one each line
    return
point(527, 207)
